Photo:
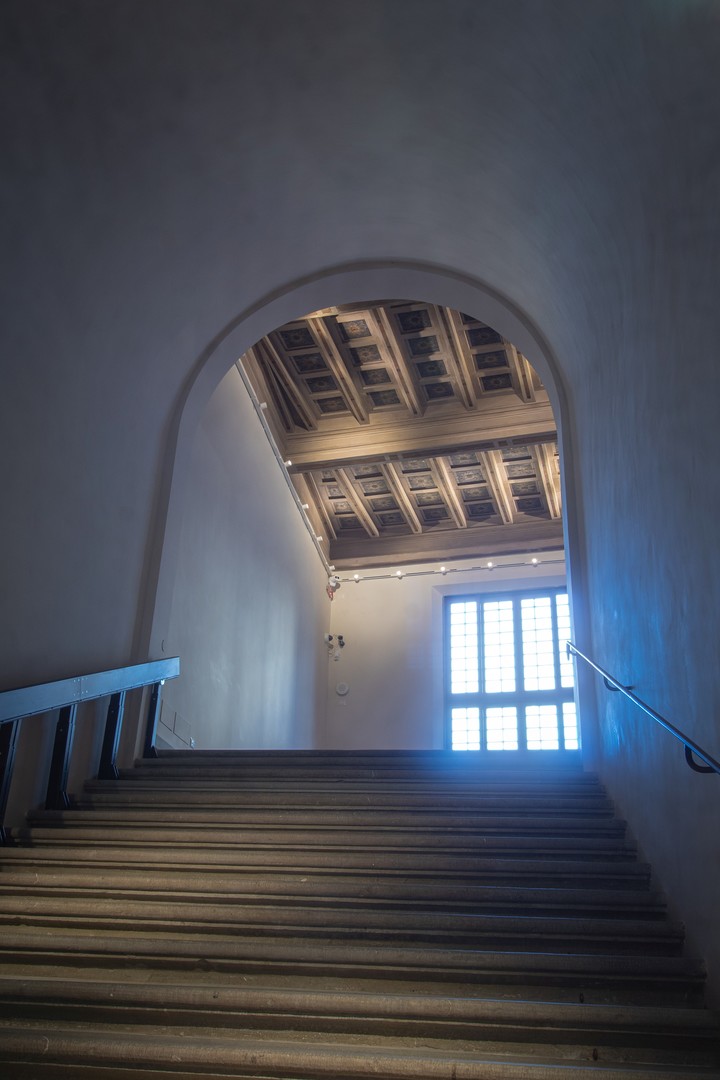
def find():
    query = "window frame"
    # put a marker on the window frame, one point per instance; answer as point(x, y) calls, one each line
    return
point(519, 698)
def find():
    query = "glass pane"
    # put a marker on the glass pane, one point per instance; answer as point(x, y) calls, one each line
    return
point(465, 729)
point(502, 728)
point(567, 674)
point(541, 725)
point(499, 646)
point(570, 727)
point(464, 648)
point(537, 641)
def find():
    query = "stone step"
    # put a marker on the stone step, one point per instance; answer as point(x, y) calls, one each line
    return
point(358, 890)
point(243, 795)
point(675, 995)
point(138, 811)
point(325, 922)
point(299, 837)
point(499, 869)
point(429, 794)
point(302, 916)
point(672, 977)
point(47, 1049)
point(390, 1012)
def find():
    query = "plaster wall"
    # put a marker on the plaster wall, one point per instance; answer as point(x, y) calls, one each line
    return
point(249, 603)
point(393, 657)
point(173, 170)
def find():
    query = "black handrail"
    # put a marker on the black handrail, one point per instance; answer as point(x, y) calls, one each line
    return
point(66, 695)
point(691, 747)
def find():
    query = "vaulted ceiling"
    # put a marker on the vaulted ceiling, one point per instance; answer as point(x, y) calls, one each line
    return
point(414, 432)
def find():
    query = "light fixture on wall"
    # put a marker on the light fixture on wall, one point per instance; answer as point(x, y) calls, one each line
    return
point(288, 463)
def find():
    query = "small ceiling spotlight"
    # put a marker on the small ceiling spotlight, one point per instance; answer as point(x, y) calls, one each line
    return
point(319, 539)
point(399, 574)
point(535, 562)
point(356, 577)
point(263, 404)
point(443, 569)
point(288, 463)
point(306, 506)
point(490, 565)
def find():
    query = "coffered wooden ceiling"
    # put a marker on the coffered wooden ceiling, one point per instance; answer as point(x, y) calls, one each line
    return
point(414, 432)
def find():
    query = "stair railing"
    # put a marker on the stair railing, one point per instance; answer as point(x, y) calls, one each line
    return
point(692, 750)
point(66, 695)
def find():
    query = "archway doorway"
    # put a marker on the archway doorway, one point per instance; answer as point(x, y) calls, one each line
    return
point(480, 301)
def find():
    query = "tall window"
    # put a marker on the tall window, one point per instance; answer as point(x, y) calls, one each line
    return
point(509, 685)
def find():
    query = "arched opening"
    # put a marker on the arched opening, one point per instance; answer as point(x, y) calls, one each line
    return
point(275, 634)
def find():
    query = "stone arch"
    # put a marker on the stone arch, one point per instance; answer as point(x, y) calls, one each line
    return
point(335, 286)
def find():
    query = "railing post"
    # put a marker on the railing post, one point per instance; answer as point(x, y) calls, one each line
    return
point(107, 769)
point(152, 720)
point(57, 796)
point(8, 739)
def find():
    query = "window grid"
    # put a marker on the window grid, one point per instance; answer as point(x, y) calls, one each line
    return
point(499, 646)
point(466, 729)
point(541, 725)
point(509, 683)
point(501, 726)
point(570, 728)
point(562, 609)
point(538, 644)
point(464, 648)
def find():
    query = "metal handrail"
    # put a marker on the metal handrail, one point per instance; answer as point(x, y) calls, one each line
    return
point(66, 695)
point(691, 747)
point(45, 697)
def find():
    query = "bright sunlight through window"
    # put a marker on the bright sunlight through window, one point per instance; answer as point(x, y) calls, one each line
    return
point(509, 683)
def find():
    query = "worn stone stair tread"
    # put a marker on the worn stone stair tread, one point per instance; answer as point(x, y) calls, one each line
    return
point(324, 920)
point(302, 916)
point(229, 789)
point(305, 1055)
point(357, 818)
point(106, 971)
point(579, 1019)
point(404, 960)
point(342, 838)
point(407, 894)
point(389, 865)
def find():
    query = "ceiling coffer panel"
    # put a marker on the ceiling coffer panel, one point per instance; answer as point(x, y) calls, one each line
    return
point(407, 420)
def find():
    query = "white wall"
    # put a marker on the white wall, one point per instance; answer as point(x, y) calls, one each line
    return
point(170, 169)
point(393, 656)
point(249, 603)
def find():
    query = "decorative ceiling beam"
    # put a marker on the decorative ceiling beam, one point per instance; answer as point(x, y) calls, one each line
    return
point(493, 422)
point(520, 373)
point(394, 482)
point(459, 359)
point(482, 541)
point(339, 370)
point(445, 482)
point(358, 501)
point(498, 484)
point(391, 349)
point(544, 460)
point(309, 491)
point(279, 372)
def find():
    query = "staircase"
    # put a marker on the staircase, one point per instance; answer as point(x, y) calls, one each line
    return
point(335, 915)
